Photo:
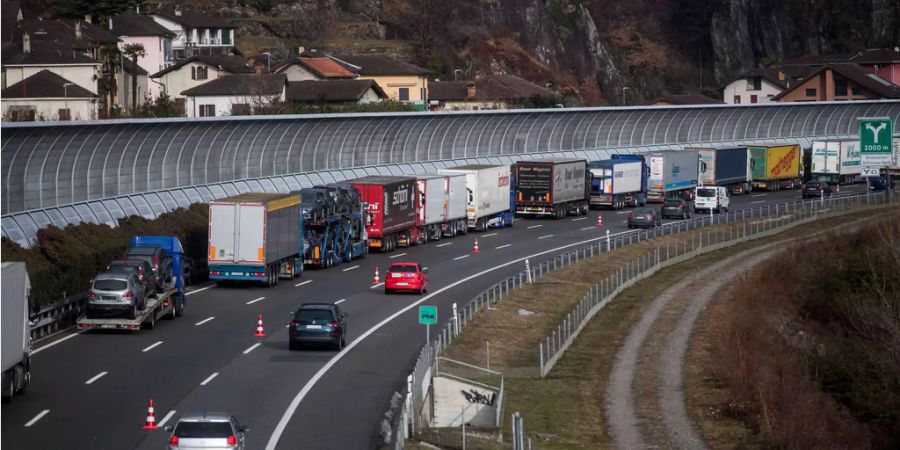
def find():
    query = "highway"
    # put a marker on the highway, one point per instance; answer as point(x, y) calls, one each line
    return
point(90, 390)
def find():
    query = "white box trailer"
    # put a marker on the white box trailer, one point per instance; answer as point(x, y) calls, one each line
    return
point(441, 208)
point(16, 329)
point(487, 195)
point(837, 162)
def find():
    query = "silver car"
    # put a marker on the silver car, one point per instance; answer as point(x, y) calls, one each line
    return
point(116, 294)
point(207, 431)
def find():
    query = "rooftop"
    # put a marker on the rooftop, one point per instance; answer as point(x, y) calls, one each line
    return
point(230, 63)
point(687, 99)
point(241, 84)
point(130, 23)
point(321, 67)
point(378, 65)
point(43, 53)
point(331, 90)
point(46, 84)
point(494, 87)
point(193, 19)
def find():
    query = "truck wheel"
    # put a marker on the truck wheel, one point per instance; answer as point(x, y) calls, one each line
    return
point(179, 306)
point(9, 389)
point(152, 323)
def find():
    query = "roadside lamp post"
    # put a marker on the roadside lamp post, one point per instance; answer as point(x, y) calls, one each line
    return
point(66, 99)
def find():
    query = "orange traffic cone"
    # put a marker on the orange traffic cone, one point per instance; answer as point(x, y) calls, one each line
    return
point(151, 418)
point(259, 327)
point(475, 249)
point(599, 220)
point(376, 279)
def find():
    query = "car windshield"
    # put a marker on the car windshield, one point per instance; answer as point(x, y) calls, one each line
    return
point(203, 430)
point(673, 202)
point(313, 316)
point(407, 269)
point(706, 192)
point(110, 285)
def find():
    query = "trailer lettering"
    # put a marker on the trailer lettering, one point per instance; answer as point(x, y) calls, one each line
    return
point(502, 180)
point(784, 164)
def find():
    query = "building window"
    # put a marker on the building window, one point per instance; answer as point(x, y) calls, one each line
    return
point(226, 36)
point(754, 84)
point(404, 94)
point(199, 73)
point(811, 92)
point(207, 110)
point(737, 99)
point(753, 99)
point(64, 114)
point(856, 90)
point(21, 113)
point(840, 88)
point(240, 109)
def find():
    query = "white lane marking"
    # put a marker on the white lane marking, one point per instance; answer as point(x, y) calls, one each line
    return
point(502, 246)
point(588, 228)
point(37, 417)
point(758, 201)
point(340, 301)
point(461, 257)
point(253, 347)
point(535, 226)
point(623, 212)
point(204, 321)
point(295, 402)
point(625, 221)
point(165, 419)
point(96, 377)
point(209, 378)
point(199, 290)
point(376, 285)
point(397, 256)
point(152, 346)
point(257, 300)
point(759, 195)
point(302, 283)
point(350, 268)
point(545, 236)
point(580, 218)
point(36, 351)
point(488, 235)
point(444, 244)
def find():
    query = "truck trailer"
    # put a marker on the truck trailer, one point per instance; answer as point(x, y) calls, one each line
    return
point(169, 303)
point(836, 162)
point(255, 237)
point(619, 182)
point(728, 167)
point(390, 210)
point(552, 187)
point(673, 174)
point(441, 208)
point(488, 195)
point(16, 342)
point(334, 228)
point(775, 167)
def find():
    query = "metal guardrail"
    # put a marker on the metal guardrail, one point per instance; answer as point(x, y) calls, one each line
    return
point(51, 318)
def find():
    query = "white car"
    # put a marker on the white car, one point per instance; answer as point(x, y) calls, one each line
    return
point(713, 198)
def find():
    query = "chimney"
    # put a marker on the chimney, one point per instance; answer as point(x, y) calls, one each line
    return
point(177, 10)
point(26, 43)
point(300, 50)
point(470, 89)
point(77, 31)
point(781, 76)
point(88, 18)
point(110, 23)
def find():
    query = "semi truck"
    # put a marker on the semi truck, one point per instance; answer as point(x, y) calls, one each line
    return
point(169, 303)
point(390, 210)
point(775, 167)
point(489, 195)
point(441, 207)
point(16, 342)
point(836, 162)
point(552, 187)
point(333, 231)
point(728, 167)
point(255, 237)
point(619, 182)
point(673, 174)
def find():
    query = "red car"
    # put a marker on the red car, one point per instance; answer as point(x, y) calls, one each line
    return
point(406, 276)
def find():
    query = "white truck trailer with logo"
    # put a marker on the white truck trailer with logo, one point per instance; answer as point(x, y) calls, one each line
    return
point(488, 202)
point(837, 162)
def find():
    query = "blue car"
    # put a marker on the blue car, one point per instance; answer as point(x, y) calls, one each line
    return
point(318, 323)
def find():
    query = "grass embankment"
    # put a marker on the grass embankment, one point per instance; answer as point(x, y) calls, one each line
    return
point(566, 409)
point(63, 261)
point(804, 352)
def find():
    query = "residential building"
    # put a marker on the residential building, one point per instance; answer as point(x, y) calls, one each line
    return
point(334, 92)
point(306, 67)
point(491, 92)
point(84, 37)
point(45, 95)
point(123, 95)
point(883, 62)
point(197, 70)
point(133, 28)
point(840, 81)
point(402, 82)
point(756, 86)
point(196, 33)
point(685, 99)
point(235, 94)
point(22, 61)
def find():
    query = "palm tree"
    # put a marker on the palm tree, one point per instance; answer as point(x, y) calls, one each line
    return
point(109, 57)
point(133, 52)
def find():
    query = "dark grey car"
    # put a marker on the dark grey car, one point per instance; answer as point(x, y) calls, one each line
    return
point(644, 218)
point(116, 294)
point(318, 323)
point(207, 431)
point(677, 208)
point(159, 260)
point(139, 266)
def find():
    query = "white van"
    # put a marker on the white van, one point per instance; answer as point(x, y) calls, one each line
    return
point(711, 198)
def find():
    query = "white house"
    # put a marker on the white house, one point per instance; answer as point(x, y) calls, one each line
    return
point(237, 94)
point(756, 86)
point(197, 70)
point(196, 33)
point(133, 28)
point(306, 67)
point(47, 96)
point(22, 62)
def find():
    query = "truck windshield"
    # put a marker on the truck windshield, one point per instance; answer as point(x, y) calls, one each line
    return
point(110, 285)
point(706, 192)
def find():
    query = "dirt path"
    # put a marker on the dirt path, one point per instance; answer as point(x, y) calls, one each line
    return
point(635, 420)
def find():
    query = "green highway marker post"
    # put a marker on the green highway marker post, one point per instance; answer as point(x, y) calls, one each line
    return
point(428, 317)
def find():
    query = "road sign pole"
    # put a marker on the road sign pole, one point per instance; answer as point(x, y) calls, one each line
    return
point(428, 334)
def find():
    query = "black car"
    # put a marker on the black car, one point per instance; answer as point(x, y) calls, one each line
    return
point(816, 188)
point(676, 208)
point(644, 218)
point(318, 323)
point(159, 260)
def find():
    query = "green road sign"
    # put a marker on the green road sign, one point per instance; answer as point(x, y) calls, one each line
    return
point(875, 136)
point(427, 315)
